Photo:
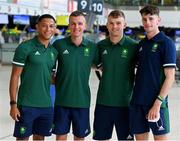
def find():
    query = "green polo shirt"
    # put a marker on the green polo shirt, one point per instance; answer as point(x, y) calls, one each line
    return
point(72, 78)
point(37, 62)
point(118, 62)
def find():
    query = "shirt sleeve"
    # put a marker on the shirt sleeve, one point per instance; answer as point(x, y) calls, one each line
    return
point(169, 54)
point(20, 55)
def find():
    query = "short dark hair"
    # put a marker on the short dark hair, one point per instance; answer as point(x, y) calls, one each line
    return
point(150, 9)
point(116, 14)
point(45, 16)
point(77, 13)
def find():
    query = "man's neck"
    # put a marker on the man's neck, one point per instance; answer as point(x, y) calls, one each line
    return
point(150, 35)
point(44, 42)
point(115, 39)
point(76, 40)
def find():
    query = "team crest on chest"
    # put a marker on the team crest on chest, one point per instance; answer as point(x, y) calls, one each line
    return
point(52, 56)
point(154, 48)
point(124, 53)
point(86, 52)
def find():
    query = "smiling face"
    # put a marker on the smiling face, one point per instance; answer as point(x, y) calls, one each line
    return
point(150, 22)
point(150, 19)
point(77, 25)
point(46, 28)
point(116, 26)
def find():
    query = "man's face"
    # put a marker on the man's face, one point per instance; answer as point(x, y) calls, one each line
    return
point(150, 22)
point(116, 26)
point(46, 28)
point(77, 25)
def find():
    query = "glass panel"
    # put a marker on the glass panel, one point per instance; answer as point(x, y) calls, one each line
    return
point(143, 2)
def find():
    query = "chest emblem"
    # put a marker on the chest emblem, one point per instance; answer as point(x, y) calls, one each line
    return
point(105, 52)
point(86, 52)
point(37, 53)
point(66, 52)
point(124, 53)
point(140, 49)
point(52, 56)
point(154, 48)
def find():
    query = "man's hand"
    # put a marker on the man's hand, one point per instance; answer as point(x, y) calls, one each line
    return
point(14, 112)
point(154, 111)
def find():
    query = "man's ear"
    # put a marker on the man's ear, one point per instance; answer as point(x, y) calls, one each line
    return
point(36, 27)
point(125, 24)
point(159, 19)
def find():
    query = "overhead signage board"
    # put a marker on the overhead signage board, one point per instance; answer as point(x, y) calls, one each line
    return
point(95, 6)
point(83, 5)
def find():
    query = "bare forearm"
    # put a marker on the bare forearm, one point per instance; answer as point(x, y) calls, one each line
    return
point(167, 84)
point(13, 88)
point(154, 111)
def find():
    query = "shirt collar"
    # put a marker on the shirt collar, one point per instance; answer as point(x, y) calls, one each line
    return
point(38, 43)
point(158, 37)
point(83, 43)
point(121, 42)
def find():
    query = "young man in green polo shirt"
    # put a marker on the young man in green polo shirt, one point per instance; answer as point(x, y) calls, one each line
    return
point(72, 102)
point(33, 63)
point(117, 55)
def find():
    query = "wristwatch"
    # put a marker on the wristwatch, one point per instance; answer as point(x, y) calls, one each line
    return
point(13, 102)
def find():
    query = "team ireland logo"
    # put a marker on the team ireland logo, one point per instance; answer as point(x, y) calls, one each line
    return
point(124, 53)
point(154, 48)
point(86, 52)
point(52, 56)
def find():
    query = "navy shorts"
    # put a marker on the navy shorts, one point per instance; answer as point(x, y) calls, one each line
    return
point(79, 117)
point(139, 123)
point(106, 117)
point(34, 121)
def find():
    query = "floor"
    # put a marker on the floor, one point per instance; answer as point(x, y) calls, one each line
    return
point(7, 124)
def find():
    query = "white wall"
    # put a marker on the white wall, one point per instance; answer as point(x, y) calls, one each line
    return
point(133, 18)
point(168, 18)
